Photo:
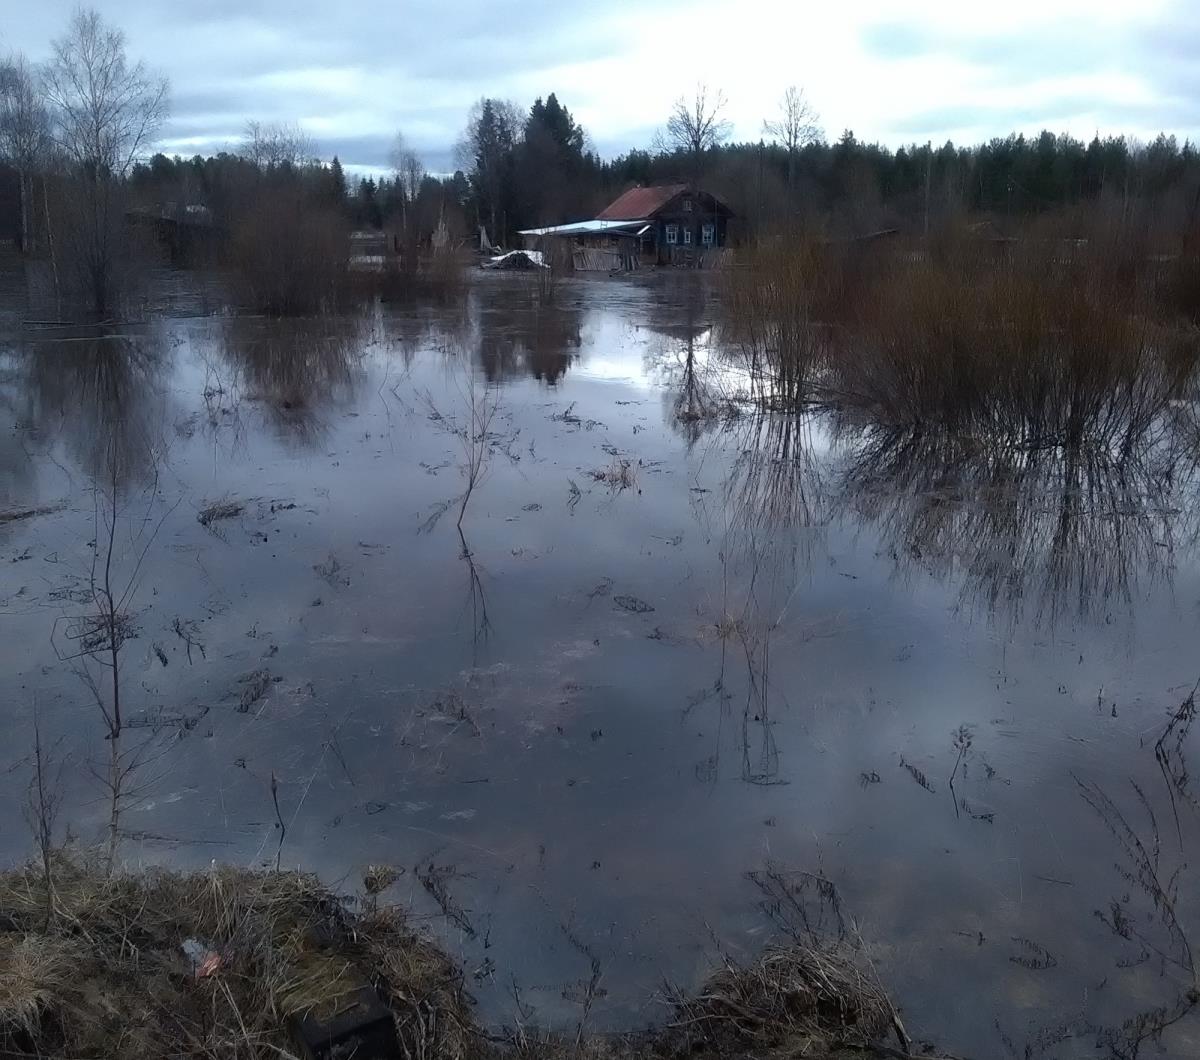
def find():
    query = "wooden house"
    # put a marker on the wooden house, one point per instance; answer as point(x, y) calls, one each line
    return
point(664, 224)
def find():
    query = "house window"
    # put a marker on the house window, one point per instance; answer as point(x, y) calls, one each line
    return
point(672, 234)
point(687, 205)
point(708, 234)
point(687, 235)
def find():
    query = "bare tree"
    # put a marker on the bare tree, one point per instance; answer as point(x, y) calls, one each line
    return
point(696, 126)
point(795, 128)
point(273, 144)
point(410, 174)
point(408, 168)
point(24, 132)
point(104, 113)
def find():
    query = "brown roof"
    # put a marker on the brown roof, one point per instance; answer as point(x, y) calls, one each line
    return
point(639, 203)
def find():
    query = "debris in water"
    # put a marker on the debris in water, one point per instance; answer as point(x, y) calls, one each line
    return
point(257, 683)
point(633, 604)
point(14, 515)
point(1035, 957)
point(917, 775)
point(212, 513)
point(331, 571)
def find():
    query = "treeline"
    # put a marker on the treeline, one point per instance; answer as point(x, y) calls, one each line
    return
point(523, 171)
point(854, 188)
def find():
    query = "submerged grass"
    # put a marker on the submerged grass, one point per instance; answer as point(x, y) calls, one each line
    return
point(94, 964)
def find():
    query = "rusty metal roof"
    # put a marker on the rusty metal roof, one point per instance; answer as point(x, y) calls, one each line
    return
point(640, 202)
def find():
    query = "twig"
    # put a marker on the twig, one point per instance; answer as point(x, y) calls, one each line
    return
point(279, 819)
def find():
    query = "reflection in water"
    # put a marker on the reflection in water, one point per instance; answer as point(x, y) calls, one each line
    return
point(297, 369)
point(682, 360)
point(518, 336)
point(17, 469)
point(769, 516)
point(103, 393)
point(1064, 530)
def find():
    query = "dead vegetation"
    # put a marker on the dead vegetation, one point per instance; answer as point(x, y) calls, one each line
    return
point(110, 976)
point(289, 256)
point(234, 962)
point(17, 515)
point(792, 1001)
point(218, 510)
point(620, 475)
point(1052, 337)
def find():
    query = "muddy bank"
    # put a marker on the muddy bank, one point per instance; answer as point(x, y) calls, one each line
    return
point(233, 962)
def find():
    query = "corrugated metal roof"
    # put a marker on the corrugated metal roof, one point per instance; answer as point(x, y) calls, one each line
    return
point(585, 228)
point(640, 202)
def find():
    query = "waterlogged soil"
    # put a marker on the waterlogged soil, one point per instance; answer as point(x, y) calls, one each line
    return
point(663, 649)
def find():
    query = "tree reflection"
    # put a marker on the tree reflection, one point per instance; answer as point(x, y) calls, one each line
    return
point(102, 392)
point(297, 370)
point(771, 512)
point(1061, 530)
point(18, 474)
point(520, 337)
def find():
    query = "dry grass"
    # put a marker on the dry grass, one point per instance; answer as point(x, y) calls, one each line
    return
point(109, 978)
point(793, 1001)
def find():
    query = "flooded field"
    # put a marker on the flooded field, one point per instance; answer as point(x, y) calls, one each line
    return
point(507, 596)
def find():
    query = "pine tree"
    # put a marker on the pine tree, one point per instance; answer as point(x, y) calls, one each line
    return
point(337, 182)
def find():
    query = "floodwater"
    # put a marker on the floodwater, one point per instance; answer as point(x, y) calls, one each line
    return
point(667, 665)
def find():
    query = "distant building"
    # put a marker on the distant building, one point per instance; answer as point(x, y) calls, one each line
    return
point(664, 224)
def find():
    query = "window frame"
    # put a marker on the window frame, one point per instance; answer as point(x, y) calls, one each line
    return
point(687, 235)
point(688, 205)
point(708, 234)
point(671, 234)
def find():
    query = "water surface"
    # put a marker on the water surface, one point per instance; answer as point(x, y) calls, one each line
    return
point(663, 651)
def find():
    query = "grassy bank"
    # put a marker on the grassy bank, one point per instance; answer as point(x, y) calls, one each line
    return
point(234, 963)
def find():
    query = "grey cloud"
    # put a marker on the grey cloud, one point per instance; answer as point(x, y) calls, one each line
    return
point(364, 69)
point(423, 62)
point(1161, 58)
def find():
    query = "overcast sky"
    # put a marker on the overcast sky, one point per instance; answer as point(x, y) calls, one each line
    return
point(354, 72)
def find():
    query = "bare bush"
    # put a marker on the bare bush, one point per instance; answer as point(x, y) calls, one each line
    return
point(289, 256)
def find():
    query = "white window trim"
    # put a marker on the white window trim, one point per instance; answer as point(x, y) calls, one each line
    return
point(708, 233)
point(688, 206)
point(687, 236)
point(672, 234)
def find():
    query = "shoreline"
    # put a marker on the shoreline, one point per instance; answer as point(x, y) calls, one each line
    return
point(249, 963)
